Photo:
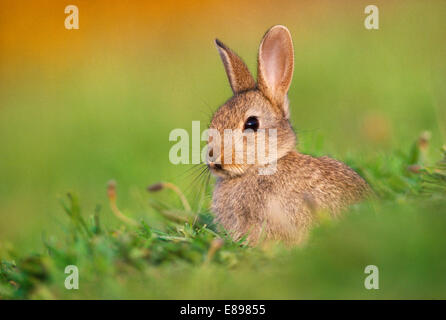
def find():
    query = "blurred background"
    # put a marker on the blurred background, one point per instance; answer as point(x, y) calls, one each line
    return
point(81, 107)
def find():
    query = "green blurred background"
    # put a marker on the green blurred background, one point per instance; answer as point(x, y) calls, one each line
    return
point(81, 107)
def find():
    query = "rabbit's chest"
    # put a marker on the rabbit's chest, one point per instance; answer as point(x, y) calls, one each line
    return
point(256, 209)
point(249, 206)
point(241, 198)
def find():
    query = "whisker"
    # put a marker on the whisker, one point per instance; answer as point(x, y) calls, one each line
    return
point(203, 190)
point(191, 170)
point(196, 179)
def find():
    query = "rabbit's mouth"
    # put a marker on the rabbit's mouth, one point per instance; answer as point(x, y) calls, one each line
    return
point(225, 171)
point(217, 169)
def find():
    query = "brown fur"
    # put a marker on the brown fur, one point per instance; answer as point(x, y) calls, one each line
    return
point(280, 206)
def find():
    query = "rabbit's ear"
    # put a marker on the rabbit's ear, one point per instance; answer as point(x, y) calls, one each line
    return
point(275, 65)
point(239, 76)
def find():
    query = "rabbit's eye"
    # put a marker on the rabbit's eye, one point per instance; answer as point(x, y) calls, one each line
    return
point(252, 123)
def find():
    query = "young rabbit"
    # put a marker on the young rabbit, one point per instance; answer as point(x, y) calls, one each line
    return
point(281, 205)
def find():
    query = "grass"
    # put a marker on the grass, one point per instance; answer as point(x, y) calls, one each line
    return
point(401, 232)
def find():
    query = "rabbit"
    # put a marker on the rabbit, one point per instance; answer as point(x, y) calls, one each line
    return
point(281, 206)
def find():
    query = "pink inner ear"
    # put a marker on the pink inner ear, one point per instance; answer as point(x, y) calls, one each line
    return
point(271, 66)
point(275, 58)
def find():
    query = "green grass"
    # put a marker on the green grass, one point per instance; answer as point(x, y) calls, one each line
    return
point(401, 232)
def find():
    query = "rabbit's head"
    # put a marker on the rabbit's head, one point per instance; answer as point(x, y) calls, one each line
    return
point(258, 113)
